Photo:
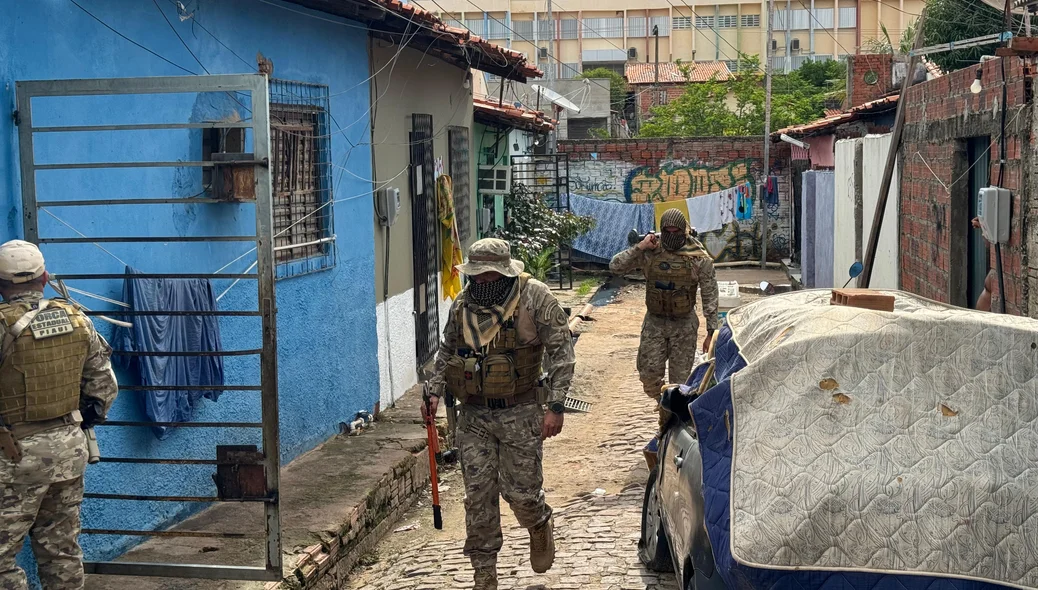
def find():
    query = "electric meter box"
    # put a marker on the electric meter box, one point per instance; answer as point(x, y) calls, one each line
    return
point(993, 210)
point(387, 205)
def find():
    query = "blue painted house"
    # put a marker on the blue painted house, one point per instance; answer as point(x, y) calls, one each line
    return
point(321, 108)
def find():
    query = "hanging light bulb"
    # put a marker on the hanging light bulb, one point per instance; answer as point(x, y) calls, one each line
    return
point(976, 87)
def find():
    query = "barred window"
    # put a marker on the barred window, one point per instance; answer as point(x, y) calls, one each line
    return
point(751, 20)
point(823, 18)
point(733, 65)
point(544, 30)
point(569, 70)
point(569, 28)
point(681, 23)
point(475, 25)
point(601, 28)
point(496, 29)
point(728, 22)
point(848, 17)
point(704, 22)
point(301, 178)
point(523, 30)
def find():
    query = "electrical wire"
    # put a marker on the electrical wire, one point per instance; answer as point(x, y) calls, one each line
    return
point(182, 42)
point(124, 37)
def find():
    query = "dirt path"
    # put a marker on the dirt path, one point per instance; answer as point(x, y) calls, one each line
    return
point(597, 451)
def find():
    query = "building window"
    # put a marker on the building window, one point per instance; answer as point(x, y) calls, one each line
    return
point(458, 163)
point(301, 178)
point(733, 65)
point(728, 22)
point(848, 17)
point(636, 26)
point(750, 21)
point(603, 28)
point(496, 29)
point(704, 22)
point(523, 30)
point(545, 30)
point(681, 23)
point(569, 28)
point(663, 22)
point(569, 70)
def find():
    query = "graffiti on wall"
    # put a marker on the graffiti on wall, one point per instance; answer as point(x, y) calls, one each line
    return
point(675, 180)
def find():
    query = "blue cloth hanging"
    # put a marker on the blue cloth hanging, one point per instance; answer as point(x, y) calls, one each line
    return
point(613, 221)
point(162, 333)
point(744, 204)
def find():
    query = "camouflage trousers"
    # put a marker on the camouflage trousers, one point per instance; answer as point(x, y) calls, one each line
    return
point(40, 496)
point(501, 453)
point(666, 342)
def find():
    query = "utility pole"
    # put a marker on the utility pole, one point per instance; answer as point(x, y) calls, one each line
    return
point(656, 85)
point(551, 77)
point(767, 137)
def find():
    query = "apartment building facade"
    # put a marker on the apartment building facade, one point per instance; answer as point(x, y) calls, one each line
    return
point(584, 34)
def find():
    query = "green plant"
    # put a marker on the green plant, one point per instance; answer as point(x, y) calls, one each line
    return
point(586, 286)
point(954, 20)
point(598, 133)
point(533, 227)
point(540, 264)
point(617, 85)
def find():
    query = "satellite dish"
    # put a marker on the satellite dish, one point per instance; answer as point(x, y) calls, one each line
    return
point(555, 98)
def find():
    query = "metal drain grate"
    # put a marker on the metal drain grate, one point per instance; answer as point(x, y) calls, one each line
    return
point(577, 405)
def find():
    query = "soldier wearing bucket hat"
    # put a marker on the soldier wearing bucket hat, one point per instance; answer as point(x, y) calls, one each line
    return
point(43, 449)
point(507, 354)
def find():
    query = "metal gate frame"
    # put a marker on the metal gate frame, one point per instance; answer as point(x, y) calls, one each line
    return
point(425, 235)
point(256, 86)
point(554, 168)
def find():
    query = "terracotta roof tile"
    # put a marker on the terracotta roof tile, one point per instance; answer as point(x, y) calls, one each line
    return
point(814, 127)
point(452, 44)
point(519, 117)
point(670, 73)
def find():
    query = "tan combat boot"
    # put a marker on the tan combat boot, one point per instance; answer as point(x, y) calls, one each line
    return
point(485, 577)
point(542, 546)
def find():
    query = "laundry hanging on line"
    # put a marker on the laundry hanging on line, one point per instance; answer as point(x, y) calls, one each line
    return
point(704, 213)
point(613, 221)
point(171, 334)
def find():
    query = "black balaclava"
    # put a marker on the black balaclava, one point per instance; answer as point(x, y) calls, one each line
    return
point(492, 293)
point(673, 240)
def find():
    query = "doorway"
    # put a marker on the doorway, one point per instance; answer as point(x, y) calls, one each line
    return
point(978, 156)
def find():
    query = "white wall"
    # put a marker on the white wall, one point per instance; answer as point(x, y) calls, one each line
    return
point(396, 345)
point(885, 272)
point(845, 242)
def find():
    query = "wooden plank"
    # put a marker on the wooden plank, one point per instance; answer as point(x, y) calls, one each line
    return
point(863, 298)
point(1024, 44)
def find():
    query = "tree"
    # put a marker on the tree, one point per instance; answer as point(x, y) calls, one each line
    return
point(886, 45)
point(533, 227)
point(703, 109)
point(955, 20)
point(617, 85)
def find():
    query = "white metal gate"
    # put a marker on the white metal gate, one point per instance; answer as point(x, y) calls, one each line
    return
point(243, 474)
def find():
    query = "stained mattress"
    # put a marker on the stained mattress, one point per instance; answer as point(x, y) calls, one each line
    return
point(847, 448)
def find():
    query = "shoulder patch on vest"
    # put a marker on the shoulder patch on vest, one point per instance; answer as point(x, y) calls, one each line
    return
point(51, 322)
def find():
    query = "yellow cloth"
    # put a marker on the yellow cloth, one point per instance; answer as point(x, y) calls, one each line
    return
point(680, 205)
point(450, 244)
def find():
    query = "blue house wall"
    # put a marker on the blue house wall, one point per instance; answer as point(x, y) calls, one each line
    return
point(328, 367)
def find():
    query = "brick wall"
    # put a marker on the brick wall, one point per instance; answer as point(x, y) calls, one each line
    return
point(666, 169)
point(647, 96)
point(859, 91)
point(942, 115)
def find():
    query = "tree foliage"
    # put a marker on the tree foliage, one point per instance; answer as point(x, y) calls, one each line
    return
point(886, 44)
point(955, 20)
point(704, 109)
point(533, 227)
point(617, 85)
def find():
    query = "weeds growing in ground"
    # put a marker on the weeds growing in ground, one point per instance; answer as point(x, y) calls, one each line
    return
point(586, 286)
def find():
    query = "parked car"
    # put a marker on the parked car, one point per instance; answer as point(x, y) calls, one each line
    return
point(673, 529)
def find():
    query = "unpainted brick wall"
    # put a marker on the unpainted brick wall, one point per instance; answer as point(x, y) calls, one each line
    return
point(647, 96)
point(686, 167)
point(941, 115)
point(858, 90)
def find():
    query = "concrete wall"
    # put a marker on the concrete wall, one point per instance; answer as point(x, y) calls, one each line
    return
point(654, 170)
point(327, 349)
point(417, 83)
point(935, 224)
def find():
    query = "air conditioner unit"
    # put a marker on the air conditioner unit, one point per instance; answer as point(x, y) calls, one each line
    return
point(542, 53)
point(795, 44)
point(632, 53)
point(774, 44)
point(494, 180)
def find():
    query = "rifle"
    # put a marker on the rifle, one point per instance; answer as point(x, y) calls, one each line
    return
point(434, 451)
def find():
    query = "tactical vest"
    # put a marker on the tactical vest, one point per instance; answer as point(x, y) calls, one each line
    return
point(671, 280)
point(41, 369)
point(505, 367)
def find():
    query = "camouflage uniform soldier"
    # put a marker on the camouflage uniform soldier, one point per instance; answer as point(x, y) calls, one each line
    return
point(501, 329)
point(672, 275)
point(55, 379)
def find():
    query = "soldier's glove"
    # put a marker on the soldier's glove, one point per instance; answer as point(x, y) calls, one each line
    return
point(92, 414)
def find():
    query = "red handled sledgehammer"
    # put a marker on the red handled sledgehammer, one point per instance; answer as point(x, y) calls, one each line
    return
point(434, 451)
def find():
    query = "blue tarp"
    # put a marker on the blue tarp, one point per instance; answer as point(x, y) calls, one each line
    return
point(613, 221)
point(711, 413)
point(188, 333)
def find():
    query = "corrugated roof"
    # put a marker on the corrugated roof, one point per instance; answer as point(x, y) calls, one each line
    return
point(488, 110)
point(670, 73)
point(391, 19)
point(814, 127)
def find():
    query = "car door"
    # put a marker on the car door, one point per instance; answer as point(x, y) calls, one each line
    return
point(675, 490)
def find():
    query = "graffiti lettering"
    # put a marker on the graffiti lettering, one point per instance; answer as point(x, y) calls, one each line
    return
point(671, 182)
point(591, 185)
